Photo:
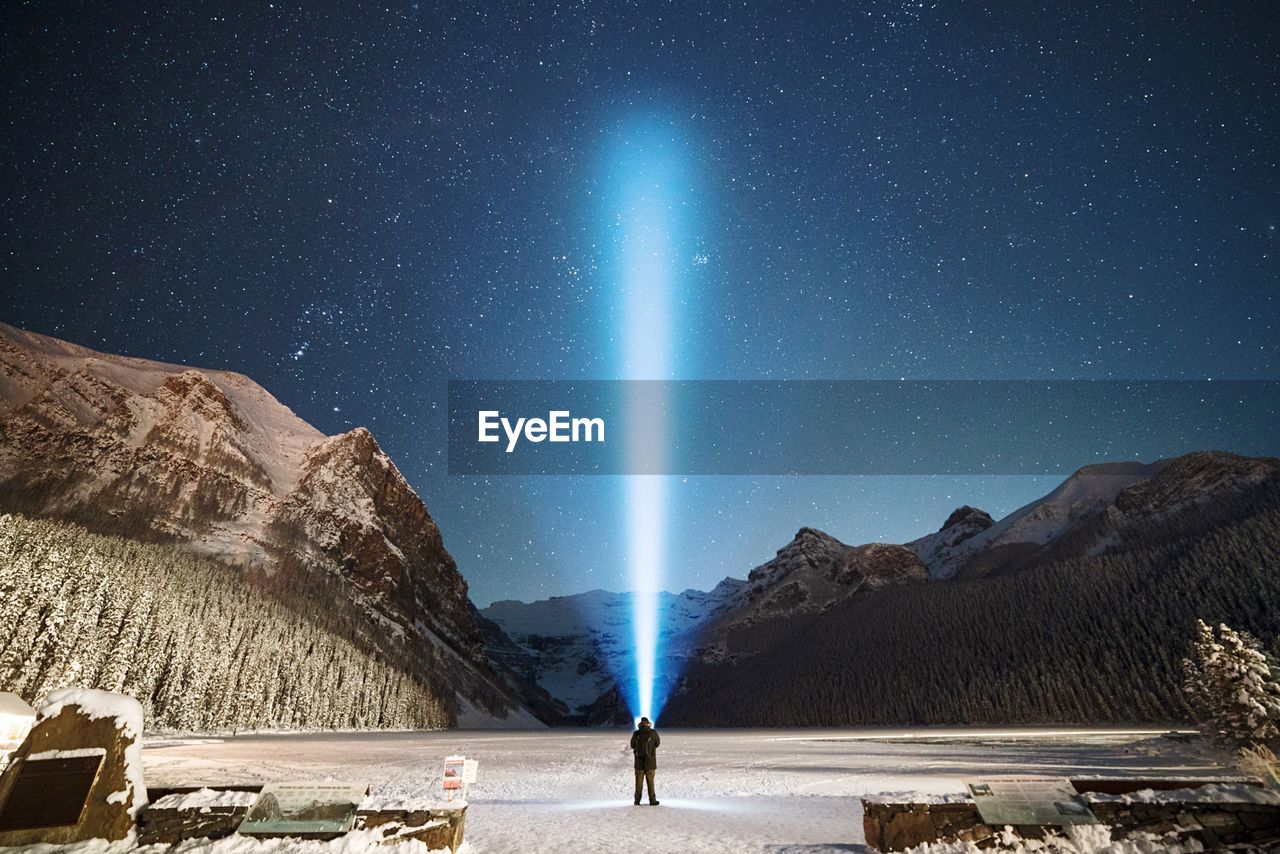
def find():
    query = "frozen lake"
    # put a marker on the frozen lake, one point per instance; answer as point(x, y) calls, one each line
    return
point(721, 790)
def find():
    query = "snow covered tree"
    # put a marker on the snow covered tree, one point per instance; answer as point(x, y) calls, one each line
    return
point(1232, 686)
point(192, 640)
point(1251, 712)
point(1197, 679)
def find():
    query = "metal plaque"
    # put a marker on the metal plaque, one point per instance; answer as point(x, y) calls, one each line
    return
point(304, 809)
point(50, 792)
point(1029, 800)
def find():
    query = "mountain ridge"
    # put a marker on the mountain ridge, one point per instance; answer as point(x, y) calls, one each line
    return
point(212, 462)
point(1098, 510)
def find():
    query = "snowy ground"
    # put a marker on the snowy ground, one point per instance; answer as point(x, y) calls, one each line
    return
point(721, 790)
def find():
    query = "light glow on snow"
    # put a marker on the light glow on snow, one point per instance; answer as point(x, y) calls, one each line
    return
point(646, 171)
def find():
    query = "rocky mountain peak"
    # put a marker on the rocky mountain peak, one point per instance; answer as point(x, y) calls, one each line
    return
point(1194, 478)
point(807, 548)
point(815, 570)
point(970, 517)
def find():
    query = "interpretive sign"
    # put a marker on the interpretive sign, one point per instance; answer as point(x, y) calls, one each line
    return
point(304, 809)
point(459, 774)
point(50, 792)
point(1029, 800)
point(453, 768)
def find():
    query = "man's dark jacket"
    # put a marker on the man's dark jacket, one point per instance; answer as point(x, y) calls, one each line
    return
point(644, 742)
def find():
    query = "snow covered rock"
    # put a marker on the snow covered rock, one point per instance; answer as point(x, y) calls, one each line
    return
point(80, 723)
point(16, 718)
point(937, 549)
point(810, 574)
point(1212, 818)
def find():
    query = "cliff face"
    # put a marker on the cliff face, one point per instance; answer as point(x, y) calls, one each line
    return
point(145, 449)
point(353, 510)
point(210, 461)
point(815, 569)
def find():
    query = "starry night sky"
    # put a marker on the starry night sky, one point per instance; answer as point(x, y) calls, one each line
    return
point(353, 204)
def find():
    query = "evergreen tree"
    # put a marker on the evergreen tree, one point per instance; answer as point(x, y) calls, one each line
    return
point(1250, 705)
point(1232, 686)
point(196, 644)
point(1199, 682)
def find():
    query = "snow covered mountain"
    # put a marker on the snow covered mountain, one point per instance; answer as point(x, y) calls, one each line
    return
point(577, 647)
point(567, 644)
point(815, 569)
point(1075, 608)
point(210, 461)
point(1099, 507)
point(1093, 510)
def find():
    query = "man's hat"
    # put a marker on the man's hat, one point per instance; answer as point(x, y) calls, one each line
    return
point(644, 722)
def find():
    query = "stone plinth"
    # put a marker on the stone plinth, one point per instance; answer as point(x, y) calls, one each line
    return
point(75, 725)
point(438, 828)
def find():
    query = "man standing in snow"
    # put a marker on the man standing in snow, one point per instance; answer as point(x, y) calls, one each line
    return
point(644, 742)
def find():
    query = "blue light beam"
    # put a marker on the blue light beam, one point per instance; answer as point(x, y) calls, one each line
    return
point(647, 172)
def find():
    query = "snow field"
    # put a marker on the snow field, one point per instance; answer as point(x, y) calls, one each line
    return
point(721, 791)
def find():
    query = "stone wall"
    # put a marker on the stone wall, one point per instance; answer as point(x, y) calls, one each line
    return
point(438, 828)
point(1215, 824)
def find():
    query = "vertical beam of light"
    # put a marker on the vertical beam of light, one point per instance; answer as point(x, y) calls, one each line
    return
point(645, 533)
point(647, 270)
